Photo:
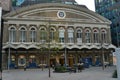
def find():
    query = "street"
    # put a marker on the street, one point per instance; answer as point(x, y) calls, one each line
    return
point(92, 73)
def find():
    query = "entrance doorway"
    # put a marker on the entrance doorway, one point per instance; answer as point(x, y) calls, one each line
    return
point(21, 61)
point(32, 61)
point(62, 61)
point(52, 62)
point(71, 61)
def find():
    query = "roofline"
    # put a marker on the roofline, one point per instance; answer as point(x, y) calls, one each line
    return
point(43, 5)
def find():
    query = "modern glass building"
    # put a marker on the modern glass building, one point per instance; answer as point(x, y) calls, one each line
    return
point(21, 3)
point(103, 7)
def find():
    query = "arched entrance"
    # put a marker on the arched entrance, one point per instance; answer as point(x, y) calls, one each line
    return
point(32, 61)
point(21, 61)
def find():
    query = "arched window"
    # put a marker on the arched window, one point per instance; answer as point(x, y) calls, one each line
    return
point(52, 34)
point(61, 35)
point(70, 35)
point(22, 34)
point(12, 34)
point(32, 34)
point(87, 36)
point(21, 60)
point(43, 35)
point(96, 36)
point(79, 36)
point(103, 36)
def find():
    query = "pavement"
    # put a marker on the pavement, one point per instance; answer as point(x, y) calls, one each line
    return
point(92, 73)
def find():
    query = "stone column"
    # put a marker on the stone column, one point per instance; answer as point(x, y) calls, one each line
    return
point(16, 58)
point(92, 40)
point(6, 36)
point(38, 34)
point(75, 36)
point(83, 36)
point(17, 34)
point(27, 34)
point(27, 57)
point(37, 57)
point(109, 35)
point(4, 60)
point(110, 57)
point(93, 58)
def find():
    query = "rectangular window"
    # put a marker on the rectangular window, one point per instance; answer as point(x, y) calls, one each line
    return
point(79, 37)
point(87, 37)
point(70, 37)
point(43, 36)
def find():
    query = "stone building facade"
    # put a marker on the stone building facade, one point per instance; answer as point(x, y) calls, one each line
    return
point(69, 33)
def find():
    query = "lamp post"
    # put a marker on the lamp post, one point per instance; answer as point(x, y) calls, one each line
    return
point(49, 49)
point(103, 59)
point(102, 51)
point(42, 52)
point(65, 56)
point(49, 59)
point(1, 38)
point(65, 52)
point(9, 56)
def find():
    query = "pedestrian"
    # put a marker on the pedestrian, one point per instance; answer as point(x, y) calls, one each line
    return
point(24, 67)
point(80, 67)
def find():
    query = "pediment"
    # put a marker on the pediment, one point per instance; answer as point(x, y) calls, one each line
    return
point(54, 15)
point(42, 12)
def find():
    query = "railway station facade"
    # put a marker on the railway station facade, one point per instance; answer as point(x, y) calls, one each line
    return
point(63, 31)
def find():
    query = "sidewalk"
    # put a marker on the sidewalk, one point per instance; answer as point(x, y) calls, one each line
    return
point(92, 73)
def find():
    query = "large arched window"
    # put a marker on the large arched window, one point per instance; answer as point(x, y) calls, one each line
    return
point(87, 36)
point(22, 34)
point(103, 36)
point(96, 36)
point(70, 35)
point(79, 36)
point(61, 35)
point(32, 34)
point(52, 34)
point(12, 34)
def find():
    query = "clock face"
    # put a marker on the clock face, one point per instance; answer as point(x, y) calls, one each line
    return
point(61, 14)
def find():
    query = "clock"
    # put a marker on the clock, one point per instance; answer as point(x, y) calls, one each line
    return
point(61, 14)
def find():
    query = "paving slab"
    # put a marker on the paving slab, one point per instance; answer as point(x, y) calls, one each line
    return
point(92, 73)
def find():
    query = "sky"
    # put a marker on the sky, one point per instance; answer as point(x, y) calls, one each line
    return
point(89, 3)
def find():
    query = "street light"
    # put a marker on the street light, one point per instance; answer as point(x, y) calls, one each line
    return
point(65, 52)
point(65, 56)
point(102, 51)
point(42, 48)
point(1, 38)
point(103, 59)
point(9, 56)
point(49, 48)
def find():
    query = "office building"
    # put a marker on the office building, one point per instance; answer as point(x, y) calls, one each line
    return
point(107, 9)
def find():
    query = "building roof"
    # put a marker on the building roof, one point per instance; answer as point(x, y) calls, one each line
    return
point(80, 10)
